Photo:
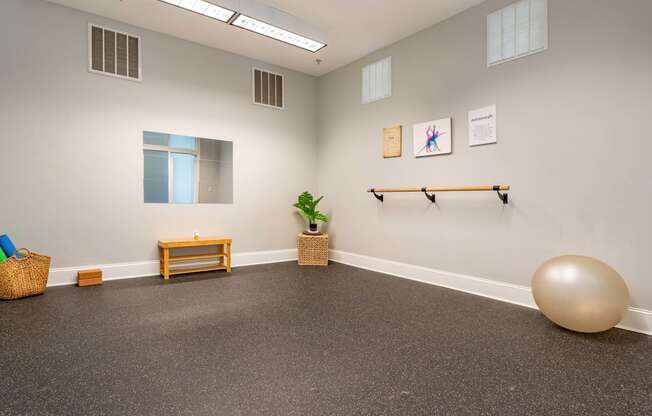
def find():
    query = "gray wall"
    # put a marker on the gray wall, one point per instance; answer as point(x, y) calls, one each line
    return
point(71, 141)
point(574, 144)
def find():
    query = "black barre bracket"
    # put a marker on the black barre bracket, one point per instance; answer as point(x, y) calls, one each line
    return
point(501, 196)
point(381, 198)
point(431, 197)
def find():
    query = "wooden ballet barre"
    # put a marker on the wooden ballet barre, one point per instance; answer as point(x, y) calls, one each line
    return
point(431, 191)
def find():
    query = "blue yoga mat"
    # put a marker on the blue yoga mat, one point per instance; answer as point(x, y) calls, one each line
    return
point(7, 246)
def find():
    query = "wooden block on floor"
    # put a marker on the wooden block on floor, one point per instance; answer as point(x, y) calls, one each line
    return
point(89, 277)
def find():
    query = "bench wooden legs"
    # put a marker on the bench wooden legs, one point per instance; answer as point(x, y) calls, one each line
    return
point(228, 257)
point(166, 263)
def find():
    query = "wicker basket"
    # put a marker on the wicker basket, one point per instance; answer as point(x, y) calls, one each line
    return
point(312, 250)
point(24, 277)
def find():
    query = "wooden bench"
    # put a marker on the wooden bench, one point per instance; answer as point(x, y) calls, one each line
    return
point(222, 256)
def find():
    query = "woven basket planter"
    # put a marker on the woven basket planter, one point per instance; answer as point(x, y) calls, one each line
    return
point(312, 250)
point(24, 277)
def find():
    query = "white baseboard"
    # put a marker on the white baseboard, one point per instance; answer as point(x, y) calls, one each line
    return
point(637, 320)
point(263, 257)
point(117, 271)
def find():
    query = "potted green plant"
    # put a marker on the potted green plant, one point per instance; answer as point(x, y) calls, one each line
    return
point(307, 207)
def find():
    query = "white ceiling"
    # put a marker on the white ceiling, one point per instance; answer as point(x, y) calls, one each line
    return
point(351, 28)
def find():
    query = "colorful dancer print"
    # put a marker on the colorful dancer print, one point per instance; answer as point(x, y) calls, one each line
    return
point(432, 135)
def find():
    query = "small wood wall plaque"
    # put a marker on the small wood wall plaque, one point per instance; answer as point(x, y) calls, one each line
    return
point(89, 277)
point(392, 141)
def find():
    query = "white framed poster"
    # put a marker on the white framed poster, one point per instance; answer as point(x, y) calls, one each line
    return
point(433, 138)
point(482, 126)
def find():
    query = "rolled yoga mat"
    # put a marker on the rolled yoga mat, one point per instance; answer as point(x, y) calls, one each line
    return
point(7, 246)
point(2, 256)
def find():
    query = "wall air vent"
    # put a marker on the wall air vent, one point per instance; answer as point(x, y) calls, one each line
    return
point(377, 81)
point(268, 89)
point(518, 30)
point(113, 53)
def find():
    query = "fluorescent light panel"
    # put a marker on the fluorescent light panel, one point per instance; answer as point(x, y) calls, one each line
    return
point(245, 22)
point(277, 33)
point(204, 8)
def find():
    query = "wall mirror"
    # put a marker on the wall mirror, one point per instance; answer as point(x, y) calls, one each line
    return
point(187, 170)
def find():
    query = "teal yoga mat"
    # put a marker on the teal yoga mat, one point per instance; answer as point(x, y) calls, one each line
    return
point(7, 246)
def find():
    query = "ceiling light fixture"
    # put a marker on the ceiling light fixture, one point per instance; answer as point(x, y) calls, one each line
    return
point(265, 29)
point(204, 8)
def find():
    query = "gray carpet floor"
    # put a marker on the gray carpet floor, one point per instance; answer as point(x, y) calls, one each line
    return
point(283, 340)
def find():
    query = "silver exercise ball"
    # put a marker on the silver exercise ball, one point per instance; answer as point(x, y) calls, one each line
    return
point(580, 293)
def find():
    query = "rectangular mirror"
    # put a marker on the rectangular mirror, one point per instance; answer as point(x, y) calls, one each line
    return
point(187, 170)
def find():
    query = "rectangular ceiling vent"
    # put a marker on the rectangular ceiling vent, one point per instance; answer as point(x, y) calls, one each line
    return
point(113, 53)
point(518, 30)
point(268, 89)
point(377, 81)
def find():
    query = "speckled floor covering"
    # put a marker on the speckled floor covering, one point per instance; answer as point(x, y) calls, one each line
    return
point(283, 340)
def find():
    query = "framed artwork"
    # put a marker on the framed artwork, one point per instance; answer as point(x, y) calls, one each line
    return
point(433, 138)
point(392, 141)
point(482, 126)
